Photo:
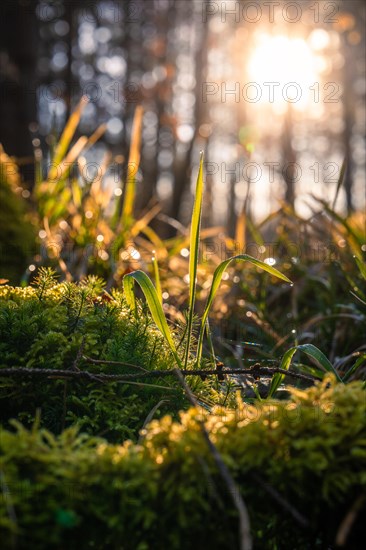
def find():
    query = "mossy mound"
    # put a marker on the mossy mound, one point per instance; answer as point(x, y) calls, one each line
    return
point(55, 326)
point(72, 491)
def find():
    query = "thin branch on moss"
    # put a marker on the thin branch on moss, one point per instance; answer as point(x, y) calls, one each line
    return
point(115, 363)
point(102, 377)
point(245, 537)
point(301, 520)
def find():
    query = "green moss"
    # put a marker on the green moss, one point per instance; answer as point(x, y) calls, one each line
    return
point(167, 493)
point(48, 326)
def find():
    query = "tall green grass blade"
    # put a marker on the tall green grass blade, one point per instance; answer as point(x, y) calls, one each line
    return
point(194, 251)
point(157, 278)
point(311, 351)
point(278, 378)
point(361, 266)
point(219, 271)
point(354, 367)
point(153, 303)
point(132, 169)
point(128, 287)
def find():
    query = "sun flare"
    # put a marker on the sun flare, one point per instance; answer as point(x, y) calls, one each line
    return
point(285, 68)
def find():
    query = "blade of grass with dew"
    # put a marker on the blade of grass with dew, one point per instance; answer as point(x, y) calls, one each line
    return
point(310, 350)
point(132, 169)
point(153, 303)
point(216, 280)
point(194, 251)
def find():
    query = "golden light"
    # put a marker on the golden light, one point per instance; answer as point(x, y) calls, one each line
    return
point(285, 69)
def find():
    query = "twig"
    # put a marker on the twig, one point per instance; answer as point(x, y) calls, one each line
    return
point(282, 501)
point(245, 537)
point(102, 377)
point(79, 355)
point(115, 363)
point(348, 521)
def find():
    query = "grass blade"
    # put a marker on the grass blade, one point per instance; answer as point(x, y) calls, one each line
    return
point(240, 229)
point(360, 361)
point(66, 137)
point(278, 378)
point(157, 278)
point(361, 266)
point(194, 251)
point(310, 350)
point(153, 303)
point(132, 169)
point(219, 271)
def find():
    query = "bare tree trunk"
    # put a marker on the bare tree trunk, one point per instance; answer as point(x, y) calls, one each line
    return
point(348, 117)
point(289, 159)
point(182, 165)
point(18, 55)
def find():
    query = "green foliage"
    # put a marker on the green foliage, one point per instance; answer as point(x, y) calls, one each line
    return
point(216, 280)
point(326, 305)
point(153, 303)
point(152, 295)
point(310, 350)
point(166, 492)
point(52, 326)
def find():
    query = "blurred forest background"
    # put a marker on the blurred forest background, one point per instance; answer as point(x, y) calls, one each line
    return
point(181, 59)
